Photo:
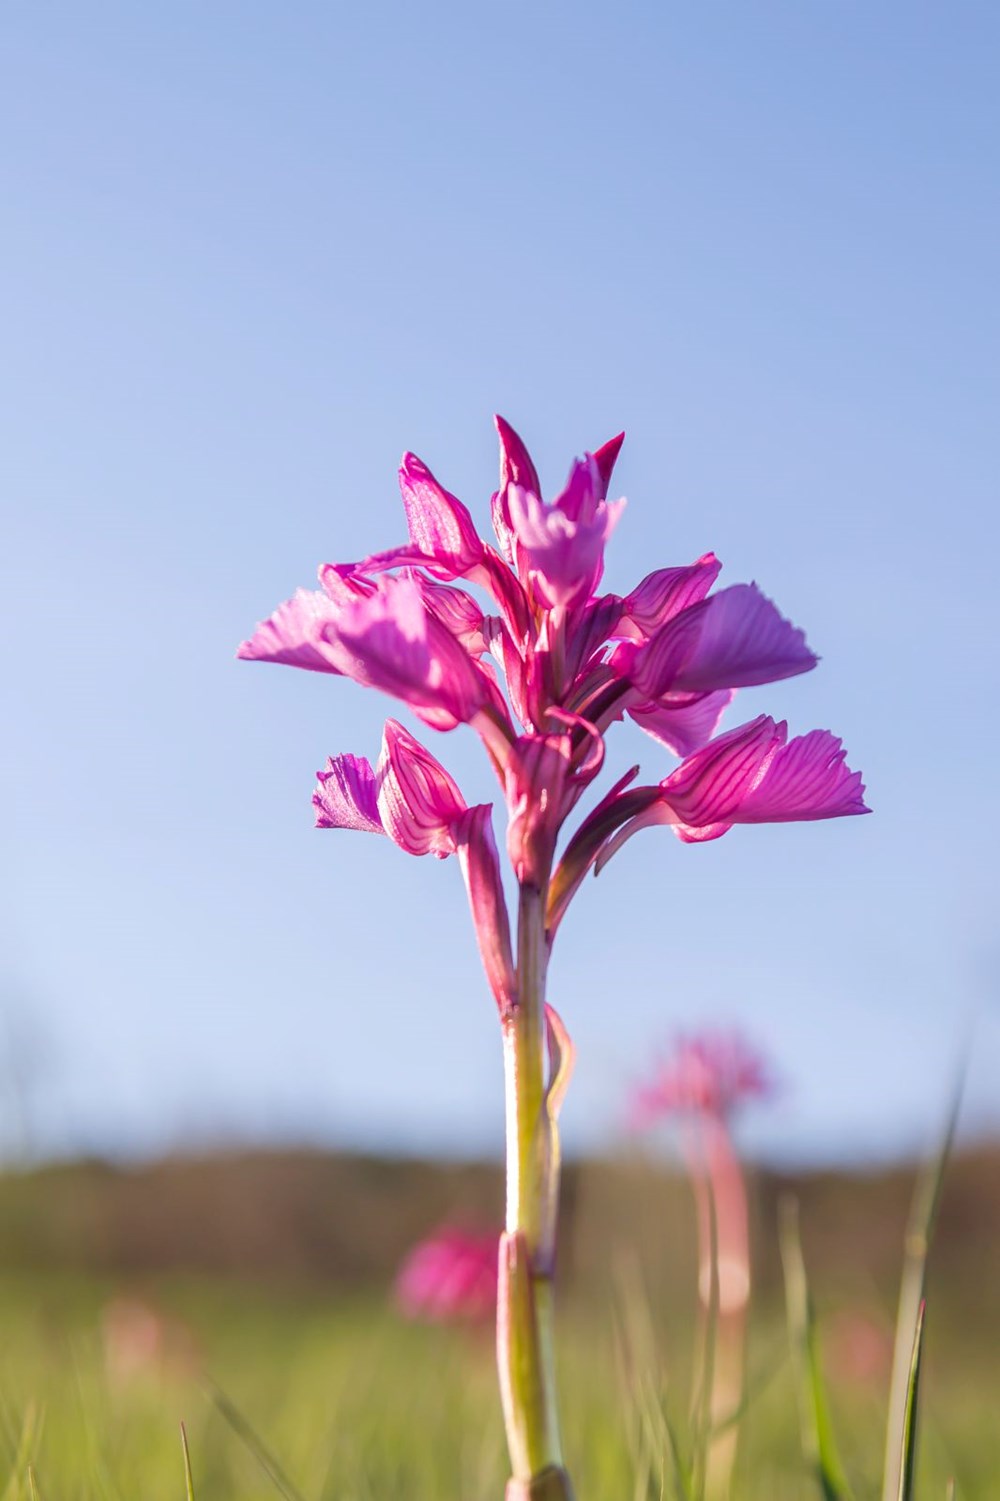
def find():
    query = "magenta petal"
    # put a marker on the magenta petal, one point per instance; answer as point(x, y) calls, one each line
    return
point(587, 631)
point(700, 834)
point(665, 593)
point(394, 643)
point(582, 495)
point(441, 527)
point(605, 458)
point(807, 778)
point(457, 611)
point(516, 467)
point(536, 776)
point(346, 796)
point(405, 556)
point(709, 786)
point(501, 581)
point(562, 548)
point(742, 640)
point(293, 634)
point(418, 802)
point(344, 582)
point(686, 725)
point(500, 516)
point(477, 854)
point(654, 667)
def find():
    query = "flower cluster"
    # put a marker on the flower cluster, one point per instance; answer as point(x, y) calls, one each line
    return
point(541, 674)
point(710, 1074)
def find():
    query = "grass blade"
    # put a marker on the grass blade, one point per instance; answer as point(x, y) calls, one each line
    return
point(29, 1435)
point(658, 1443)
point(908, 1454)
point(817, 1430)
point(243, 1430)
point(188, 1477)
point(912, 1288)
point(701, 1409)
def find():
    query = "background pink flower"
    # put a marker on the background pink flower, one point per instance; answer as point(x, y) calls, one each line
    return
point(709, 1073)
point(450, 1277)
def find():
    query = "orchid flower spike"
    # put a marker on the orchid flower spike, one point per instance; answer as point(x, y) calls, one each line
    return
point(517, 640)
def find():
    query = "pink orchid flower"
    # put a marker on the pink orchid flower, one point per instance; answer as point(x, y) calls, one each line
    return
point(450, 1277)
point(711, 1073)
point(540, 665)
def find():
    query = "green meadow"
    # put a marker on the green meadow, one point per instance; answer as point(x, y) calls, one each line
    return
point(249, 1298)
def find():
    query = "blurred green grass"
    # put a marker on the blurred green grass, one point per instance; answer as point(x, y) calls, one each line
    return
point(130, 1300)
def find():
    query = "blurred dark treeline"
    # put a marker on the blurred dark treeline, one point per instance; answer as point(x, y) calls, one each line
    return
point(345, 1222)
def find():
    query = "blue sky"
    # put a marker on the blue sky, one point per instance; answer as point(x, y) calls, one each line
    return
point(253, 252)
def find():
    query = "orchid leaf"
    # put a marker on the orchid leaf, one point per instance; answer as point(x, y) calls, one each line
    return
point(817, 1429)
point(908, 1448)
point(912, 1286)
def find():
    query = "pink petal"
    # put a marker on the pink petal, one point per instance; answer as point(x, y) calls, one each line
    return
point(477, 854)
point(742, 640)
point(654, 666)
point(588, 630)
point(665, 593)
point(344, 582)
point(537, 770)
point(807, 778)
point(500, 517)
point(582, 494)
point(392, 642)
point(418, 802)
point(494, 574)
point(605, 458)
point(293, 634)
point(564, 555)
point(346, 796)
point(516, 467)
point(517, 671)
point(686, 725)
point(709, 786)
point(457, 611)
point(441, 527)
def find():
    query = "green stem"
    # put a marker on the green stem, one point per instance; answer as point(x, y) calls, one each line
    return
point(525, 1316)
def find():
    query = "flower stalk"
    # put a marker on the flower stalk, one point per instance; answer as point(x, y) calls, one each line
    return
point(525, 1332)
